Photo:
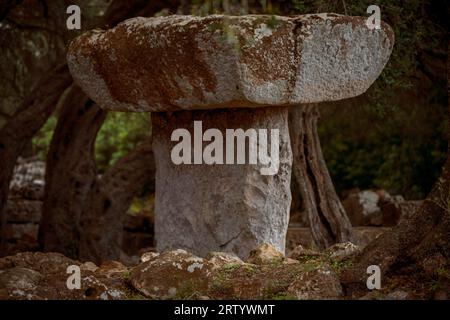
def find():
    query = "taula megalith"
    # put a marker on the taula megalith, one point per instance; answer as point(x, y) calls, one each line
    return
point(226, 72)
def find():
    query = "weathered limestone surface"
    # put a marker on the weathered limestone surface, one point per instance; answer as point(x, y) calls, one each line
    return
point(231, 208)
point(186, 62)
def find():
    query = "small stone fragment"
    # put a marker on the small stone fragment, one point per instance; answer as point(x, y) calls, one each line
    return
point(265, 254)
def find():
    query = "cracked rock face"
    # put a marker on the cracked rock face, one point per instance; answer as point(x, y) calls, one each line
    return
point(231, 208)
point(186, 62)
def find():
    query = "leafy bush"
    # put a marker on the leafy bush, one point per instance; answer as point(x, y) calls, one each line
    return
point(120, 133)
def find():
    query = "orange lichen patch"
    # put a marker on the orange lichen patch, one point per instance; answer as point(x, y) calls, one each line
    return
point(186, 62)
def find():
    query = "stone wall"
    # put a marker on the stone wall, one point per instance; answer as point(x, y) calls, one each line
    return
point(24, 208)
point(24, 205)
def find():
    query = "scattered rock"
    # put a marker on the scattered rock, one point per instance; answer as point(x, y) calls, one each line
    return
point(397, 209)
point(377, 208)
point(380, 295)
point(220, 259)
point(290, 261)
point(341, 251)
point(302, 254)
point(111, 269)
point(28, 179)
point(128, 260)
point(173, 274)
point(44, 276)
point(148, 256)
point(298, 235)
point(372, 295)
point(302, 236)
point(362, 208)
point(265, 281)
point(179, 274)
point(264, 254)
point(88, 266)
point(397, 295)
point(319, 283)
point(19, 278)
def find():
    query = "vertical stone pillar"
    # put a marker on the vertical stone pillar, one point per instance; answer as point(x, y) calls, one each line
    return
point(221, 207)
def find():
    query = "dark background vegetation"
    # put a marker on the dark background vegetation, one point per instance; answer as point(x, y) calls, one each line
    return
point(393, 137)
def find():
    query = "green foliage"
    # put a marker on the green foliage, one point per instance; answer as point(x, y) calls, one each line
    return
point(145, 204)
point(126, 275)
point(273, 22)
point(41, 141)
point(120, 133)
point(338, 266)
point(230, 267)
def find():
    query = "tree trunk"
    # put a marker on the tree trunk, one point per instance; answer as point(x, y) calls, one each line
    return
point(82, 213)
point(101, 223)
point(18, 131)
point(70, 173)
point(327, 219)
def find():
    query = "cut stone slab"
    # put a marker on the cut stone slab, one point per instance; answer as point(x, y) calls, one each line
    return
point(230, 208)
point(187, 62)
